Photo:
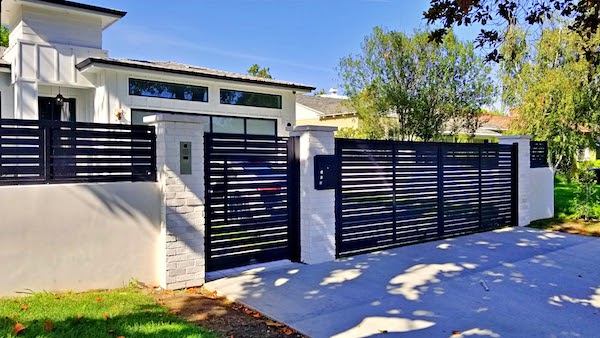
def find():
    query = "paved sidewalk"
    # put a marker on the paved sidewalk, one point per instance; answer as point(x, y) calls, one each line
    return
point(517, 282)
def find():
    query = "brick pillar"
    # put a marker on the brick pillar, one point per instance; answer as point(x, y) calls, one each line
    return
point(524, 180)
point(317, 207)
point(182, 210)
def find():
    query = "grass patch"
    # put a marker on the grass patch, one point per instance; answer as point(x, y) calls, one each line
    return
point(565, 213)
point(124, 312)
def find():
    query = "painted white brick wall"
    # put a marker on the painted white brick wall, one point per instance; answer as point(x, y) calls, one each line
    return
point(524, 171)
point(317, 216)
point(182, 226)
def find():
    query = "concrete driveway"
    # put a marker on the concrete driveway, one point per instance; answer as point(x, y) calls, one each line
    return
point(517, 282)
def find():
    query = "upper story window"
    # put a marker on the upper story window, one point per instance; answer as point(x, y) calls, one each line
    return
point(167, 90)
point(237, 97)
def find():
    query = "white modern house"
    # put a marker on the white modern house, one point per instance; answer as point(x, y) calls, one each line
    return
point(55, 51)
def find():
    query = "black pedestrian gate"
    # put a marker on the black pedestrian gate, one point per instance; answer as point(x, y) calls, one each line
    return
point(397, 193)
point(251, 199)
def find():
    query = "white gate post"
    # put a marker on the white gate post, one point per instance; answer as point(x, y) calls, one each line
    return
point(182, 208)
point(317, 207)
point(524, 172)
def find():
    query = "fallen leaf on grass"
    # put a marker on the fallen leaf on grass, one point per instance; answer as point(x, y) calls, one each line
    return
point(105, 315)
point(24, 307)
point(287, 331)
point(79, 316)
point(48, 326)
point(99, 300)
point(18, 328)
point(275, 324)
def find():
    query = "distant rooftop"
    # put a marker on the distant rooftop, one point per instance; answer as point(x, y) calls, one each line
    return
point(327, 106)
point(182, 69)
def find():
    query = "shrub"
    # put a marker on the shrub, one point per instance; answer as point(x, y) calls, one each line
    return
point(586, 194)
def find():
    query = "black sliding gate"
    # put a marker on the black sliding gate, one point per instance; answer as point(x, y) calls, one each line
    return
point(251, 199)
point(396, 193)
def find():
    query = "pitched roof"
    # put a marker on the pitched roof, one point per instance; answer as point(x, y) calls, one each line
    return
point(92, 8)
point(325, 106)
point(182, 69)
point(495, 122)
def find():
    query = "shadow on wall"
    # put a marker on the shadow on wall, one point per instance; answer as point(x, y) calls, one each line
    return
point(463, 284)
point(78, 236)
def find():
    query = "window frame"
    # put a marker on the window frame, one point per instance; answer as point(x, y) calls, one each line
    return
point(205, 88)
point(210, 123)
point(280, 106)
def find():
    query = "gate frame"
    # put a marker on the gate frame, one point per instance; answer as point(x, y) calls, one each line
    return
point(514, 218)
point(293, 196)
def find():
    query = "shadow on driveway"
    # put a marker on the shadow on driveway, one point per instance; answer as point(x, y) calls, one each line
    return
point(516, 282)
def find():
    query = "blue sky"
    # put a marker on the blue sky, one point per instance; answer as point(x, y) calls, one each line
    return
point(301, 41)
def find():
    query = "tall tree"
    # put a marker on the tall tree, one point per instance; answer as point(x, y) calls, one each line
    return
point(256, 70)
point(4, 36)
point(498, 16)
point(414, 88)
point(548, 86)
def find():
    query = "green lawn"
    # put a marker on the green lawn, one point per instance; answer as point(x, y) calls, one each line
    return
point(564, 200)
point(125, 312)
point(565, 218)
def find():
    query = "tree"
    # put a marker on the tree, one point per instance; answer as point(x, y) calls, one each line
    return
point(255, 70)
point(406, 88)
point(4, 36)
point(583, 15)
point(548, 84)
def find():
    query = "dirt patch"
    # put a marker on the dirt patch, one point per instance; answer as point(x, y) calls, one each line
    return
point(579, 227)
point(218, 314)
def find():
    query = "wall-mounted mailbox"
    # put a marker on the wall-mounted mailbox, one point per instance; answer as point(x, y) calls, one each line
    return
point(185, 158)
point(326, 172)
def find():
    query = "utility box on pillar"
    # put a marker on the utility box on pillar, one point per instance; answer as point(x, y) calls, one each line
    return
point(185, 158)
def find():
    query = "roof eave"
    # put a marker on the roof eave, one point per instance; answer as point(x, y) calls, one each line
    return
point(96, 62)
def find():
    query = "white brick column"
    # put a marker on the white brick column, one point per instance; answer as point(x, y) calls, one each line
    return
point(524, 171)
point(182, 210)
point(317, 207)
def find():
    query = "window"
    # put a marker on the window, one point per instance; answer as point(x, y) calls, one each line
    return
point(48, 109)
point(221, 124)
point(241, 98)
point(167, 90)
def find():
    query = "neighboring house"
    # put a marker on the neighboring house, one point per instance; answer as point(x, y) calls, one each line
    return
point(489, 127)
point(327, 110)
point(56, 52)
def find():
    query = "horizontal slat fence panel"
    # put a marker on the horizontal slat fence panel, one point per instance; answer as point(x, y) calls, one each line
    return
point(246, 199)
point(70, 152)
point(397, 193)
point(538, 154)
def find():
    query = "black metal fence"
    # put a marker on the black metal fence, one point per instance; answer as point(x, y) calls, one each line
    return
point(538, 154)
point(251, 199)
point(37, 152)
point(396, 193)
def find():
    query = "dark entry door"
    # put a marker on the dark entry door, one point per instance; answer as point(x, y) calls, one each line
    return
point(251, 200)
point(49, 109)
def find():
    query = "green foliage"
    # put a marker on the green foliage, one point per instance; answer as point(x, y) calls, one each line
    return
point(319, 92)
point(125, 312)
point(406, 88)
point(586, 195)
point(499, 16)
point(4, 36)
point(553, 90)
point(255, 70)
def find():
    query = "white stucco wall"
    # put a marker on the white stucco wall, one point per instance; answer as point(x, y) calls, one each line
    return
point(541, 200)
point(78, 236)
point(112, 95)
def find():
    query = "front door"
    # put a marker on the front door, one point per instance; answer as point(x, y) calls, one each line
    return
point(49, 110)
